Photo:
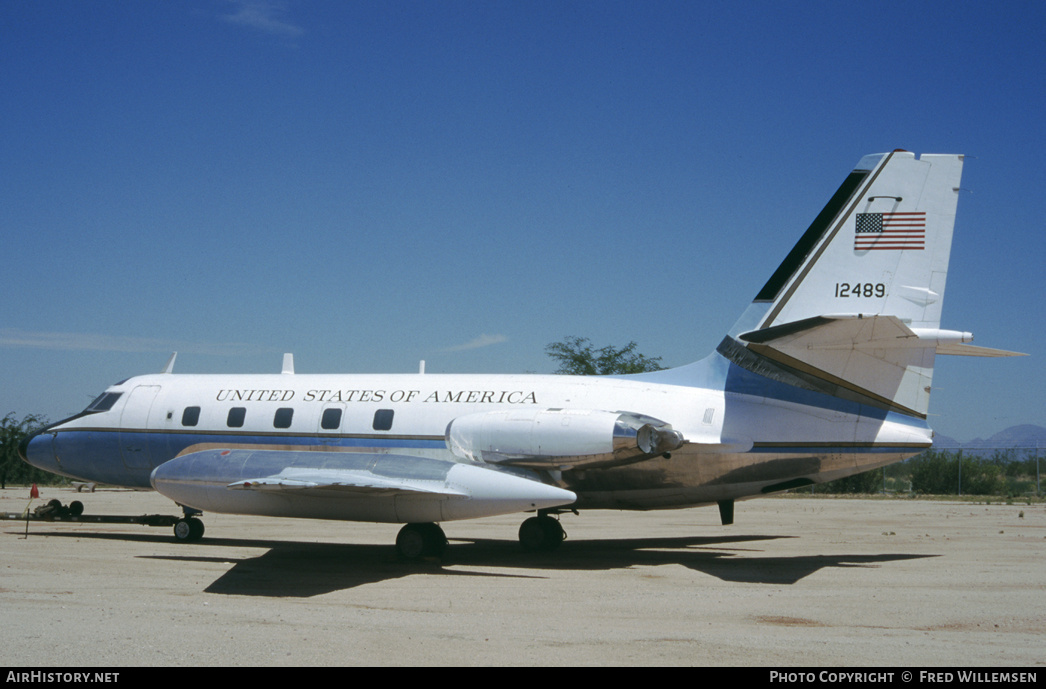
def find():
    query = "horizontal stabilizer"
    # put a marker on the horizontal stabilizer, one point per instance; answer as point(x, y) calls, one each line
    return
point(856, 331)
point(876, 360)
point(970, 350)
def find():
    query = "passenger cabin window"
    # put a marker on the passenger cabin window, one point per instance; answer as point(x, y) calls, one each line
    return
point(191, 416)
point(103, 402)
point(331, 419)
point(236, 417)
point(283, 417)
point(382, 420)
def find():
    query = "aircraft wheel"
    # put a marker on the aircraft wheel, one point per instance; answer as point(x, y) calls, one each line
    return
point(541, 534)
point(188, 530)
point(195, 529)
point(56, 509)
point(416, 541)
point(76, 508)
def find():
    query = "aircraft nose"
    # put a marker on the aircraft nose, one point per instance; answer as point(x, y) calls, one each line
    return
point(23, 447)
point(36, 451)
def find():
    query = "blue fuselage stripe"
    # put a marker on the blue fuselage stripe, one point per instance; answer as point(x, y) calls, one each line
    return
point(92, 453)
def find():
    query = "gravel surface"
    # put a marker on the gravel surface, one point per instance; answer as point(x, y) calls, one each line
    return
point(795, 581)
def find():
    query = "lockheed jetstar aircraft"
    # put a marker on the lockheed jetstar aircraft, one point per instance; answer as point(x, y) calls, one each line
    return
point(826, 374)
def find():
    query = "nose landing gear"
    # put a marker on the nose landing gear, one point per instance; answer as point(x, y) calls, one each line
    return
point(189, 528)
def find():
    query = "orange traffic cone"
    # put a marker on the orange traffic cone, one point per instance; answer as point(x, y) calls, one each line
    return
point(33, 492)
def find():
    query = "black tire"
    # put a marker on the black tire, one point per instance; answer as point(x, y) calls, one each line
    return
point(195, 529)
point(417, 541)
point(56, 509)
point(541, 534)
point(188, 530)
point(436, 539)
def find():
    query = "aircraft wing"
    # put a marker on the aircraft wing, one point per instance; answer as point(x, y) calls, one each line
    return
point(344, 482)
point(363, 486)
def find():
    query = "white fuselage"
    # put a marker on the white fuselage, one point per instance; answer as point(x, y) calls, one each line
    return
point(737, 444)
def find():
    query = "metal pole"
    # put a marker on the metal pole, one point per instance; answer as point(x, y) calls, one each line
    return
point(960, 472)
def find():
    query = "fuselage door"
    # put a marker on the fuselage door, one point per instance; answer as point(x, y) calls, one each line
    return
point(134, 426)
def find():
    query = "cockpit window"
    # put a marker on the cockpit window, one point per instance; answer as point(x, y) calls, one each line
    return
point(103, 402)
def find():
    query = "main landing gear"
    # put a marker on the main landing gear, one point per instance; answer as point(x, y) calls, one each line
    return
point(541, 534)
point(417, 541)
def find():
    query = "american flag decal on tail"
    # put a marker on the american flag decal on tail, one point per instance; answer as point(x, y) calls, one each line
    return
point(890, 231)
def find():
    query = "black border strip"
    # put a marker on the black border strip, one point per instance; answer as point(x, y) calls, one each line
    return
point(790, 266)
point(838, 223)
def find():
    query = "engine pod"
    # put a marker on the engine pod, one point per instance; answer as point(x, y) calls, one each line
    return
point(560, 438)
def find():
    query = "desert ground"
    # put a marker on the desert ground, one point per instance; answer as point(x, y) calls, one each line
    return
point(796, 581)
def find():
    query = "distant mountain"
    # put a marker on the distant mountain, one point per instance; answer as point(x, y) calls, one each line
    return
point(943, 442)
point(1023, 437)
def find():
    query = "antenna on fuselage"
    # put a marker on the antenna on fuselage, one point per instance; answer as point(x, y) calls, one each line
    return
point(169, 368)
point(288, 363)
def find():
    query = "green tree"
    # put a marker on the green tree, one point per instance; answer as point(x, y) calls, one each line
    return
point(577, 356)
point(12, 468)
point(934, 472)
point(982, 476)
point(938, 472)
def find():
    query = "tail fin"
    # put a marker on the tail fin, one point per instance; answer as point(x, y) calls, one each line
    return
point(855, 308)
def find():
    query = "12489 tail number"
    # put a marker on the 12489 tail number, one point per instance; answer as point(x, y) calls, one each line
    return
point(860, 289)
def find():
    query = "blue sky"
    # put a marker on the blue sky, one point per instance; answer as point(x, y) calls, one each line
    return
point(368, 184)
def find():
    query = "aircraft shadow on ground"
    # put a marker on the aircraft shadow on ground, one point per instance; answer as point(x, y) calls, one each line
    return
point(302, 569)
point(296, 569)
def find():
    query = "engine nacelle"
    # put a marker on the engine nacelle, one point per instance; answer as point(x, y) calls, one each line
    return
point(560, 438)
